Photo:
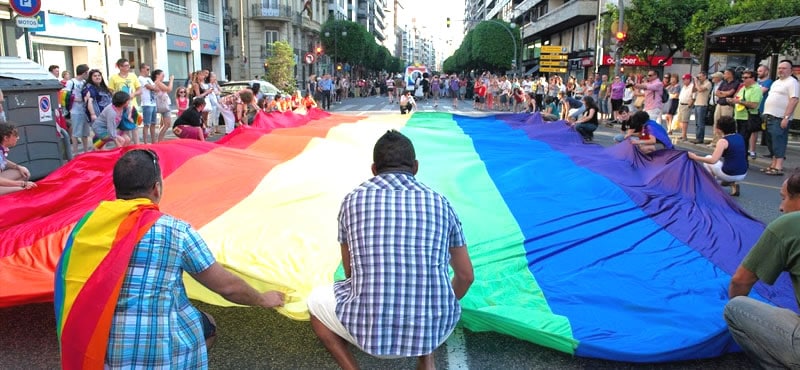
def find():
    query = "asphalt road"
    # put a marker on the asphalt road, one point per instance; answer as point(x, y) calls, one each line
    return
point(252, 338)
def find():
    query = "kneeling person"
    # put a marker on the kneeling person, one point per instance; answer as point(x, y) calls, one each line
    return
point(414, 232)
point(127, 292)
point(728, 162)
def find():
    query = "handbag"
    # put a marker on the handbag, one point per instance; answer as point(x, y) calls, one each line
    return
point(124, 123)
point(162, 103)
point(638, 103)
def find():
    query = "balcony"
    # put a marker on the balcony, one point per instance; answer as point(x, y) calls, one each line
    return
point(307, 24)
point(261, 12)
point(175, 8)
point(565, 16)
point(207, 17)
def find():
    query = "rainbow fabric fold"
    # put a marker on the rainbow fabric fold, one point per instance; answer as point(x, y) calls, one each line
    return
point(89, 276)
point(600, 252)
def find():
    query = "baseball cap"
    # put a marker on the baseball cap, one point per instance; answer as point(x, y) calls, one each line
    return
point(717, 75)
point(687, 76)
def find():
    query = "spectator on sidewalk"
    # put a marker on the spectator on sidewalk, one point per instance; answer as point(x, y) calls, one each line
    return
point(685, 102)
point(727, 88)
point(702, 88)
point(768, 334)
point(746, 102)
point(151, 323)
point(778, 111)
point(654, 88)
point(397, 299)
point(728, 162)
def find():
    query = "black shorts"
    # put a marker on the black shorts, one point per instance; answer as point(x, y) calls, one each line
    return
point(209, 329)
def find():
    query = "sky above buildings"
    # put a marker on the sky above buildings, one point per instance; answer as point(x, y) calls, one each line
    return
point(431, 19)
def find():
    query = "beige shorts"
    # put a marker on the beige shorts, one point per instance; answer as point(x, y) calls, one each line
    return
point(322, 305)
point(683, 113)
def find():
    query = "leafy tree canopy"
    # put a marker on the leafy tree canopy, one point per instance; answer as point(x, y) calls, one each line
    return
point(281, 67)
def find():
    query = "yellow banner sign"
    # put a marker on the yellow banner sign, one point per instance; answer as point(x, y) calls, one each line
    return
point(553, 56)
point(553, 63)
point(553, 49)
point(553, 69)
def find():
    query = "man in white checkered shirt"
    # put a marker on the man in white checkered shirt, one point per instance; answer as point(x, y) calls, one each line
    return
point(397, 237)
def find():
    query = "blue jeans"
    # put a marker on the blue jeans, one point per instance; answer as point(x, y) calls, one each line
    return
point(586, 129)
point(148, 115)
point(700, 121)
point(765, 333)
point(779, 137)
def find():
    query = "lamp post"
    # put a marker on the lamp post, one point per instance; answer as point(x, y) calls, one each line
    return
point(335, 47)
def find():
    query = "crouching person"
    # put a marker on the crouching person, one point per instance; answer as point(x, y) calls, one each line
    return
point(407, 103)
point(368, 309)
point(728, 162)
point(120, 302)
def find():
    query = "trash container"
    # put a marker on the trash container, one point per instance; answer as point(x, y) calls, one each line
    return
point(31, 103)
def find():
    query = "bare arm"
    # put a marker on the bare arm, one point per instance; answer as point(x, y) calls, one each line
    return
point(722, 144)
point(236, 290)
point(741, 282)
point(346, 259)
point(463, 275)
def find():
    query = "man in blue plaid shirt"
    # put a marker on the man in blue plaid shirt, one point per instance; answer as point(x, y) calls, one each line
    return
point(397, 237)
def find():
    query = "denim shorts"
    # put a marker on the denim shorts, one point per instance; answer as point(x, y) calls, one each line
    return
point(780, 136)
point(148, 115)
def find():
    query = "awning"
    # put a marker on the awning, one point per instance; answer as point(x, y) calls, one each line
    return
point(773, 27)
point(533, 70)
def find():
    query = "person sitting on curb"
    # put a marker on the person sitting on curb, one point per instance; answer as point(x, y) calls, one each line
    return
point(407, 103)
point(728, 162)
point(768, 334)
point(646, 134)
point(13, 177)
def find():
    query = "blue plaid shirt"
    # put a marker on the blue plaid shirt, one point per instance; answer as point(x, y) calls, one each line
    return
point(154, 325)
point(398, 300)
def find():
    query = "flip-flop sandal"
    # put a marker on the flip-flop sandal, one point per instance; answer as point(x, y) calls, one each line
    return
point(774, 172)
point(766, 169)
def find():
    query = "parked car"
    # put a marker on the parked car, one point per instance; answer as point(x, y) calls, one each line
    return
point(266, 88)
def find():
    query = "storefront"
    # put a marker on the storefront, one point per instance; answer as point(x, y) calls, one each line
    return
point(67, 41)
point(633, 65)
point(136, 45)
point(179, 58)
point(209, 50)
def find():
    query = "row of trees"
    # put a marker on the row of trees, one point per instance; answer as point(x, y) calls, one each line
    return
point(655, 28)
point(487, 46)
point(663, 27)
point(350, 42)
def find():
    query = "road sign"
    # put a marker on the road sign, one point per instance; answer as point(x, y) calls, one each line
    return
point(309, 58)
point(194, 31)
point(553, 69)
point(26, 8)
point(554, 63)
point(553, 49)
point(553, 56)
point(27, 22)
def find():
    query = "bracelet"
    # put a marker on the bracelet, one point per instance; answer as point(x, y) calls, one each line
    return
point(23, 184)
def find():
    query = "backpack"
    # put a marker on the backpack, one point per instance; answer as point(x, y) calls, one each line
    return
point(664, 95)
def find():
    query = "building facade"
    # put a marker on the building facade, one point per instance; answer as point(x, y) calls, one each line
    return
point(177, 36)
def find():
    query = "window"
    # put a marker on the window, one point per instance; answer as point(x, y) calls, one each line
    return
point(204, 6)
point(269, 37)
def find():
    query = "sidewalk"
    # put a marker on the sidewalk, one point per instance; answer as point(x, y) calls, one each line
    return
point(791, 162)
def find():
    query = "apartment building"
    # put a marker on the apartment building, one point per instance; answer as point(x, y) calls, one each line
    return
point(177, 36)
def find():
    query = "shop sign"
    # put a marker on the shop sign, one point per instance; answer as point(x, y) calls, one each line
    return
point(635, 60)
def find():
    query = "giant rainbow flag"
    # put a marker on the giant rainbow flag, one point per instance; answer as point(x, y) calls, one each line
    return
point(600, 252)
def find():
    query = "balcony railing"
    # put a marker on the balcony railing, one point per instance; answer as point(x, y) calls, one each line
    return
point(261, 11)
point(564, 13)
point(210, 18)
point(175, 8)
point(141, 2)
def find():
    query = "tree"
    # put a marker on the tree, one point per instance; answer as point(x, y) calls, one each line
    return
point(721, 13)
point(280, 71)
point(656, 27)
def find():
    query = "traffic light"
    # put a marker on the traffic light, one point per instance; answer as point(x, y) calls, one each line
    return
point(620, 36)
point(448, 22)
point(319, 50)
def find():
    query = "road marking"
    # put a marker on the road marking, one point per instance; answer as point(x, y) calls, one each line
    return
point(457, 350)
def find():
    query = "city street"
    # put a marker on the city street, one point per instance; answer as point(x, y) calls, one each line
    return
point(254, 338)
